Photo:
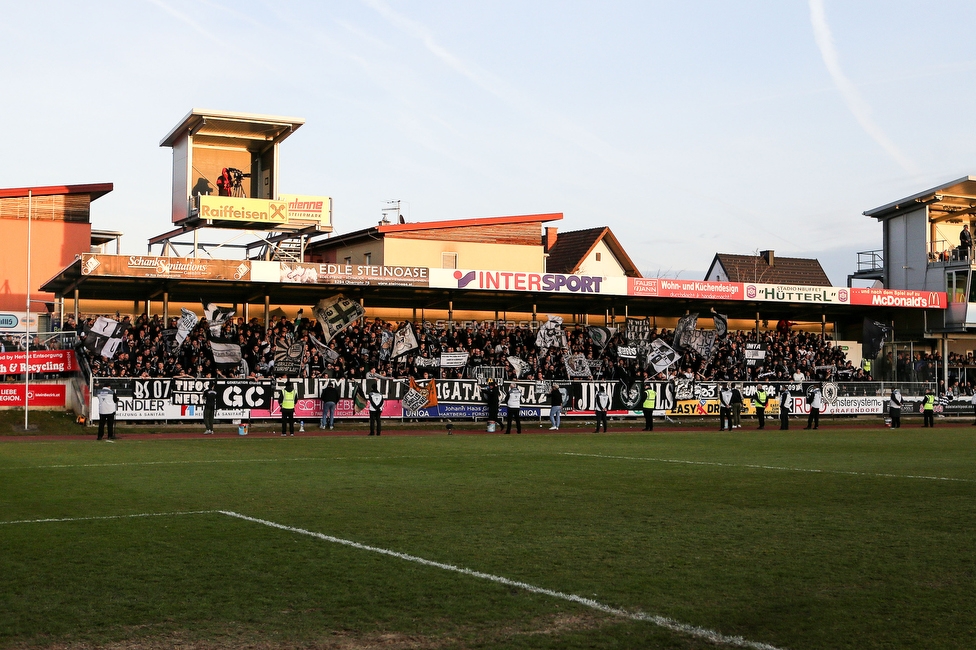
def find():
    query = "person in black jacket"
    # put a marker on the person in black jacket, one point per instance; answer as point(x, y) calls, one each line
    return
point(491, 398)
point(329, 397)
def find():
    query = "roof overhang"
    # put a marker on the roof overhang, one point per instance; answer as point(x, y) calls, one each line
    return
point(93, 190)
point(953, 200)
point(223, 128)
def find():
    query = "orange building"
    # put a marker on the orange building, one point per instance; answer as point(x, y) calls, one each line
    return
point(59, 224)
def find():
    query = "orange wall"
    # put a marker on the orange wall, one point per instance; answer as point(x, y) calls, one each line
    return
point(54, 245)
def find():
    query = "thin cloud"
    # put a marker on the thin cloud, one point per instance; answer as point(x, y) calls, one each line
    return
point(853, 99)
point(209, 35)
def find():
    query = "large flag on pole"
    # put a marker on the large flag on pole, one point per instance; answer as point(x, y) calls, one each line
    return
point(336, 314)
point(185, 325)
point(216, 316)
point(404, 340)
point(875, 334)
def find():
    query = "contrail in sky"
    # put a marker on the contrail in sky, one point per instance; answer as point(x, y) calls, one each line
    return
point(853, 99)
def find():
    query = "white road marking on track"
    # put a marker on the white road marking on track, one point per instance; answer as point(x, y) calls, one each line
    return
point(144, 514)
point(661, 621)
point(773, 467)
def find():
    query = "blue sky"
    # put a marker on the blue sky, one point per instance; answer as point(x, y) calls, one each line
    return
point(688, 128)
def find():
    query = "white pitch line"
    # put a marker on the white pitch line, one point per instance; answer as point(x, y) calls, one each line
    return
point(661, 621)
point(144, 514)
point(773, 467)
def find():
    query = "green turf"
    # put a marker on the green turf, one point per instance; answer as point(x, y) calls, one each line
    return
point(833, 539)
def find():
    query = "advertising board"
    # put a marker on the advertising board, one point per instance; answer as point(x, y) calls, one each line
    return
point(151, 266)
point(12, 395)
point(41, 361)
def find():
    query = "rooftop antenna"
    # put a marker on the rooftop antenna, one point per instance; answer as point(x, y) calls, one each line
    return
point(392, 206)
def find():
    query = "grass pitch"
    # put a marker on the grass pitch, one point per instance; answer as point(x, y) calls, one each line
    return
point(839, 538)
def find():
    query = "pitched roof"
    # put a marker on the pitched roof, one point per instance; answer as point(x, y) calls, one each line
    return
point(572, 248)
point(784, 270)
point(394, 229)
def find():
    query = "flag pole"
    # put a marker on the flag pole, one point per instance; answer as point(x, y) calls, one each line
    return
point(30, 205)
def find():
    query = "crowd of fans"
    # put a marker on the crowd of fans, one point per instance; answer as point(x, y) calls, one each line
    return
point(365, 347)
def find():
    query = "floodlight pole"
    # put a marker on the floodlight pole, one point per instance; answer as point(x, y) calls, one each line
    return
point(30, 205)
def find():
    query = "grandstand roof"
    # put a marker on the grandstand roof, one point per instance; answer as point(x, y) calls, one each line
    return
point(766, 268)
point(571, 250)
point(94, 190)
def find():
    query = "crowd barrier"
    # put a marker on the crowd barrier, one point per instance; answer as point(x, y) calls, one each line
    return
point(176, 399)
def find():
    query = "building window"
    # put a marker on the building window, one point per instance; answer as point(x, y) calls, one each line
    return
point(348, 261)
point(367, 258)
point(449, 260)
point(598, 255)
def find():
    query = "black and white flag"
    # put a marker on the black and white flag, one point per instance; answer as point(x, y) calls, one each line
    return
point(324, 350)
point(577, 366)
point(551, 334)
point(686, 325)
point(662, 356)
point(521, 367)
point(226, 354)
point(638, 331)
point(288, 357)
point(104, 337)
point(185, 325)
point(216, 316)
point(875, 334)
point(336, 314)
point(600, 335)
point(721, 322)
point(404, 340)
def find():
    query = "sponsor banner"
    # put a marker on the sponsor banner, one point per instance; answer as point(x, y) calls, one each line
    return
point(52, 361)
point(899, 298)
point(354, 274)
point(516, 281)
point(151, 266)
point(860, 405)
point(235, 208)
point(797, 293)
point(912, 406)
point(317, 209)
point(695, 290)
point(16, 321)
point(39, 395)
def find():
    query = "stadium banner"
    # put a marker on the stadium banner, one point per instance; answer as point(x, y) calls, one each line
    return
point(317, 209)
point(41, 361)
point(182, 399)
point(353, 274)
point(235, 208)
point(12, 395)
point(797, 293)
point(899, 298)
point(695, 290)
point(150, 266)
point(517, 281)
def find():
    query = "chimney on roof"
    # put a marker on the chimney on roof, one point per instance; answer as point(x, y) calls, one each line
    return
point(768, 256)
point(550, 238)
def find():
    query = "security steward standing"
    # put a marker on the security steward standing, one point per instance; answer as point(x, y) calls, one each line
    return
point(650, 401)
point(785, 406)
point(108, 404)
point(289, 395)
point(761, 400)
point(928, 409)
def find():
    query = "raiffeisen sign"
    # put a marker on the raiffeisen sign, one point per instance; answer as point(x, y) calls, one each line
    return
point(231, 208)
